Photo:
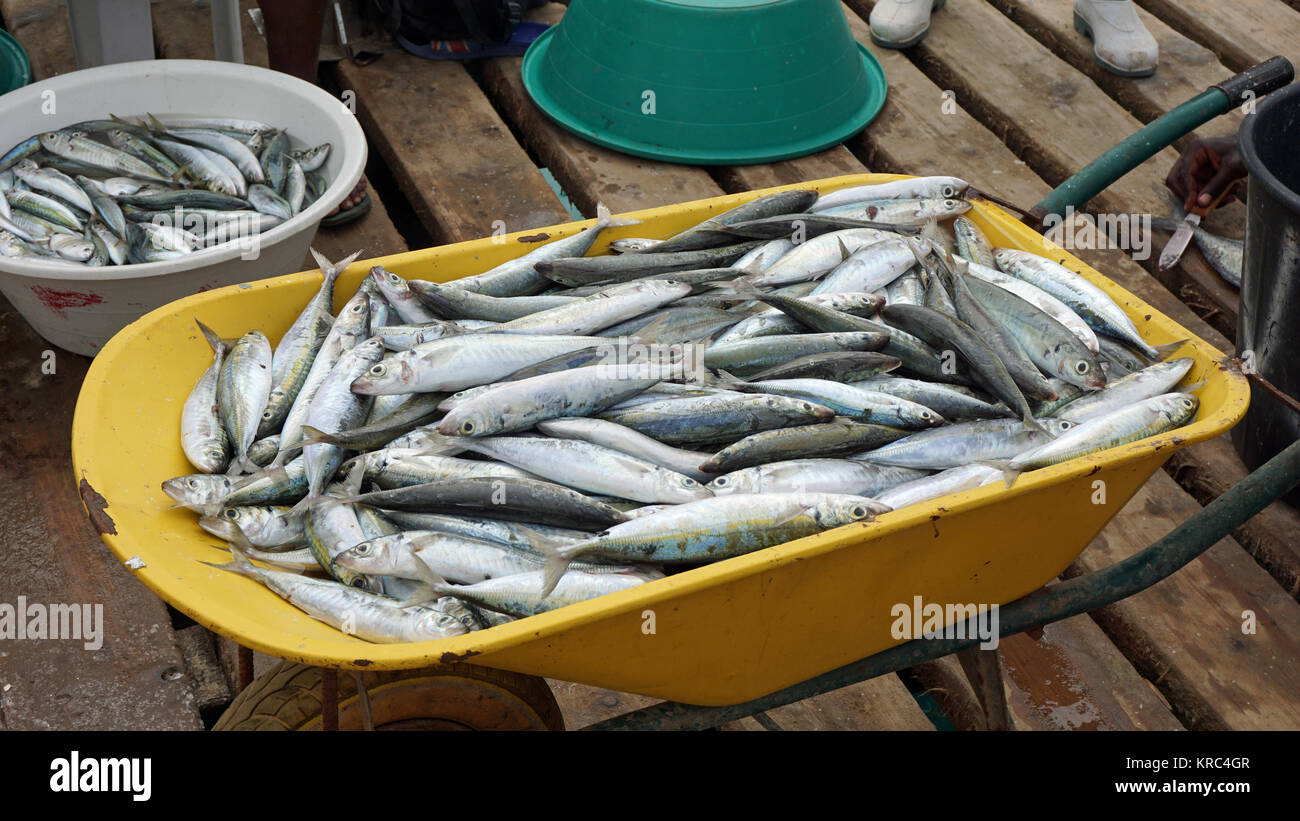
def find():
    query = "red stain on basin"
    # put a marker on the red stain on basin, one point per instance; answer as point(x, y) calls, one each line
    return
point(60, 301)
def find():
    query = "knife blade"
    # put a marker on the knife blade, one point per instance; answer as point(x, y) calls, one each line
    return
point(1174, 248)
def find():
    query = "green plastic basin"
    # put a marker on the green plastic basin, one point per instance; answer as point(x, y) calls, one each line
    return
point(718, 82)
point(15, 69)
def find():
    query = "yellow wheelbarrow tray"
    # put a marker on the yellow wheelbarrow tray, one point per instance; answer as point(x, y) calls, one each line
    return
point(720, 634)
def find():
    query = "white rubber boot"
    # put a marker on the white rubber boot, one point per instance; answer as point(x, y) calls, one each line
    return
point(901, 23)
point(1120, 43)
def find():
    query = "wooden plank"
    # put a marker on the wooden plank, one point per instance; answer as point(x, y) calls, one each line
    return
point(833, 162)
point(1187, 632)
point(588, 173)
point(43, 29)
point(1241, 34)
point(453, 157)
point(919, 131)
point(182, 29)
point(1186, 68)
point(1054, 118)
point(1073, 678)
point(583, 705)
point(881, 703)
point(1069, 678)
point(1208, 470)
point(945, 682)
point(136, 679)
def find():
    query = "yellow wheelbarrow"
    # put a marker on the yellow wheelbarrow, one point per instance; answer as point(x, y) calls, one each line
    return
point(731, 638)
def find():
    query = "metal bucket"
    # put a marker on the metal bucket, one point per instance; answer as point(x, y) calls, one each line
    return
point(1268, 325)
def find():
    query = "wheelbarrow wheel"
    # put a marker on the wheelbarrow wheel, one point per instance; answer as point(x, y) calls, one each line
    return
point(444, 697)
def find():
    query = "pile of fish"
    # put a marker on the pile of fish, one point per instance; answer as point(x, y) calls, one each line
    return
point(559, 427)
point(117, 192)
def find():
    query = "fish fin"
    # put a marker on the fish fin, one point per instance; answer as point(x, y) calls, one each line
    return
point(1032, 425)
point(429, 576)
point(1195, 386)
point(845, 253)
point(650, 333)
point(354, 478)
point(1009, 474)
point(745, 287)
point(917, 251)
point(1163, 351)
point(422, 595)
point(725, 284)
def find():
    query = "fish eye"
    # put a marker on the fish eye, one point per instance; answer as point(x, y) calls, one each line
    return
point(394, 278)
point(194, 483)
point(362, 549)
point(1066, 425)
point(688, 481)
point(1187, 403)
point(721, 481)
point(359, 582)
point(379, 370)
point(949, 191)
point(1081, 367)
point(858, 512)
point(467, 427)
point(807, 406)
point(231, 513)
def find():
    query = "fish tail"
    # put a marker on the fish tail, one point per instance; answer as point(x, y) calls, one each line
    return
point(239, 562)
point(307, 502)
point(331, 270)
point(214, 339)
point(558, 556)
point(726, 381)
point(1162, 352)
point(311, 436)
point(604, 219)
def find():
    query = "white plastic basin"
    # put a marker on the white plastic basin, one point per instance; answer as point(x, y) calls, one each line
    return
point(79, 308)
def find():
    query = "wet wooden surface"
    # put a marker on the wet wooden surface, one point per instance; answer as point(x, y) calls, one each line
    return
point(1175, 656)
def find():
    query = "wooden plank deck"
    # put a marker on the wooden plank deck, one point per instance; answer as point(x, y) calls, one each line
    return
point(1166, 659)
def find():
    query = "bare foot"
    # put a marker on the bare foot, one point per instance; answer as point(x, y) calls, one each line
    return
point(353, 199)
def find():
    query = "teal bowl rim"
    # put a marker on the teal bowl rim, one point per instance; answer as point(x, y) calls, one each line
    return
point(877, 89)
point(13, 53)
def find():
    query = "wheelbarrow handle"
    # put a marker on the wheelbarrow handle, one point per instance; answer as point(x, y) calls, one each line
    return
point(1049, 604)
point(1137, 148)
